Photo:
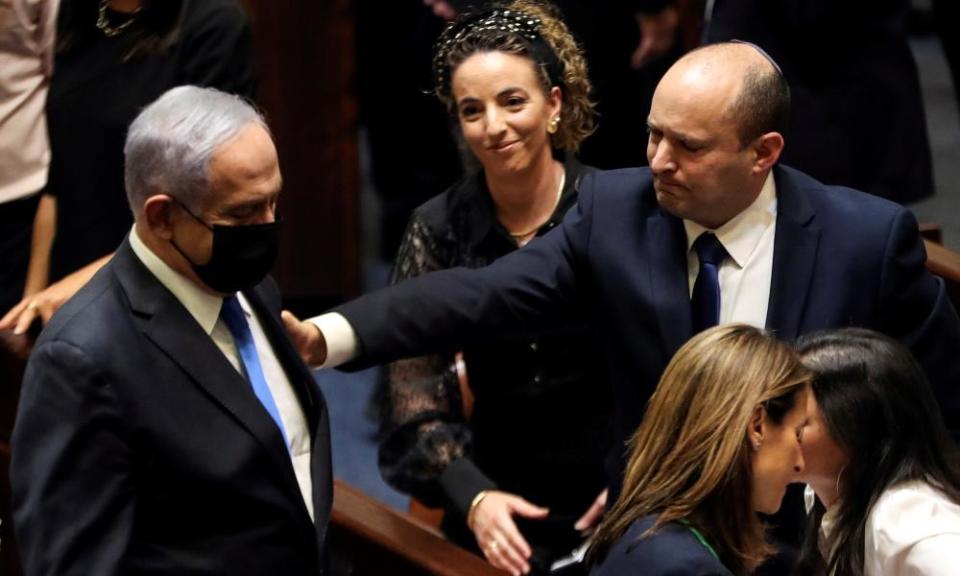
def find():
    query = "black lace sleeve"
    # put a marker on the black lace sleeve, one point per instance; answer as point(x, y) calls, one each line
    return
point(423, 417)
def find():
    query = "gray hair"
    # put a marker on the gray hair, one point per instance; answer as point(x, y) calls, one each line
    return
point(170, 143)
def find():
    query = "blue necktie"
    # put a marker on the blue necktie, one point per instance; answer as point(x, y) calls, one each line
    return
point(705, 302)
point(236, 321)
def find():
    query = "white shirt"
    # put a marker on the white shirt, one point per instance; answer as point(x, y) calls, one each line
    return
point(27, 29)
point(745, 276)
point(205, 309)
point(912, 530)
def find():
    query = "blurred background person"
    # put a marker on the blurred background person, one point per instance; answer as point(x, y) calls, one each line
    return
point(27, 30)
point(719, 442)
point(113, 58)
point(516, 83)
point(879, 460)
point(857, 118)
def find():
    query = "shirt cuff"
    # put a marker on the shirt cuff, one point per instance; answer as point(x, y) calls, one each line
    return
point(461, 482)
point(340, 338)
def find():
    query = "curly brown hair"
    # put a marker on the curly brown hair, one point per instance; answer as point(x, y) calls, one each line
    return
point(464, 38)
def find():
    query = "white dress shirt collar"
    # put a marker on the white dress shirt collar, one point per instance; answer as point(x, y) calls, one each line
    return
point(203, 306)
point(741, 235)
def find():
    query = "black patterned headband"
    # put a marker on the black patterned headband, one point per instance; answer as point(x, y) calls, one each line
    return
point(494, 25)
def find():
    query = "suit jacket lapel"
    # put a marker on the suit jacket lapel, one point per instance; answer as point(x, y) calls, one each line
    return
point(168, 324)
point(670, 292)
point(794, 256)
point(297, 372)
point(311, 399)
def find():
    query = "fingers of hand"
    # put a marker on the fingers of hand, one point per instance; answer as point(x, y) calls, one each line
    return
point(10, 318)
point(589, 519)
point(290, 322)
point(297, 330)
point(526, 509)
point(26, 317)
point(502, 554)
point(497, 534)
point(516, 543)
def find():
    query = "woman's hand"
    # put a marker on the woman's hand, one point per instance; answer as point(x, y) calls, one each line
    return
point(592, 516)
point(44, 303)
point(497, 534)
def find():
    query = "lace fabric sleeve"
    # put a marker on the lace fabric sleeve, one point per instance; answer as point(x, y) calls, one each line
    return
point(425, 429)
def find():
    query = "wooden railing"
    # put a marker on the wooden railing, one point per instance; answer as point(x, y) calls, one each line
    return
point(945, 263)
point(368, 538)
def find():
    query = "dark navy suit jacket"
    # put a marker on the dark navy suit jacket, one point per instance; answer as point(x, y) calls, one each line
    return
point(671, 551)
point(139, 449)
point(841, 258)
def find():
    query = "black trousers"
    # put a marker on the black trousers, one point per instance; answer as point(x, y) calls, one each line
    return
point(16, 224)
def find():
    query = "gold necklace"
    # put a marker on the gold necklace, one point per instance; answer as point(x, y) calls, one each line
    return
point(520, 236)
point(103, 23)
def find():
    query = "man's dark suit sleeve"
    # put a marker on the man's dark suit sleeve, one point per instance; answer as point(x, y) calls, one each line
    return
point(915, 309)
point(71, 449)
point(532, 288)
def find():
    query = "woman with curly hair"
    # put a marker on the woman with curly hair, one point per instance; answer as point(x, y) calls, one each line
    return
point(518, 475)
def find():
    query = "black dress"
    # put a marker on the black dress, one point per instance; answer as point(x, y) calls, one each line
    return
point(98, 89)
point(542, 399)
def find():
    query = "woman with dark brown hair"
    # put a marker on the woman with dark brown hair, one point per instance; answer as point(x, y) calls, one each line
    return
point(719, 442)
point(883, 479)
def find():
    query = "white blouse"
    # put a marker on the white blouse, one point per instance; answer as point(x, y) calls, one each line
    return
point(912, 530)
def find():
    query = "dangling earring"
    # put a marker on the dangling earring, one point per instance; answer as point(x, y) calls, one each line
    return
point(553, 125)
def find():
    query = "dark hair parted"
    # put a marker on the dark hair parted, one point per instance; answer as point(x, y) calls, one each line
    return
point(690, 458)
point(534, 31)
point(154, 30)
point(880, 410)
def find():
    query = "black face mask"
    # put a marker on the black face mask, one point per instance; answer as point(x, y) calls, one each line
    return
point(241, 257)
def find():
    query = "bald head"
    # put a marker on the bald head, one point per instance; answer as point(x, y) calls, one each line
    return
point(714, 127)
point(742, 81)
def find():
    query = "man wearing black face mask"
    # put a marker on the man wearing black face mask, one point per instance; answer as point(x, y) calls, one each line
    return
point(166, 425)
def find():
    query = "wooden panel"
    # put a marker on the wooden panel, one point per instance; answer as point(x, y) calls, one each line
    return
point(945, 263)
point(932, 232)
point(368, 538)
point(306, 57)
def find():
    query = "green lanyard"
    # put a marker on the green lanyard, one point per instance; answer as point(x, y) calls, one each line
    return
point(700, 537)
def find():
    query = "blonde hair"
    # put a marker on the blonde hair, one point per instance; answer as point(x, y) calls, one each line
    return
point(690, 457)
point(461, 40)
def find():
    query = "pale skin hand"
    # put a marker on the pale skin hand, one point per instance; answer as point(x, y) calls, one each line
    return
point(44, 303)
point(592, 516)
point(492, 521)
point(657, 35)
point(306, 338)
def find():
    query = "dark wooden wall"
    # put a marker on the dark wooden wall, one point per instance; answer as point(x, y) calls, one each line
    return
point(306, 61)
